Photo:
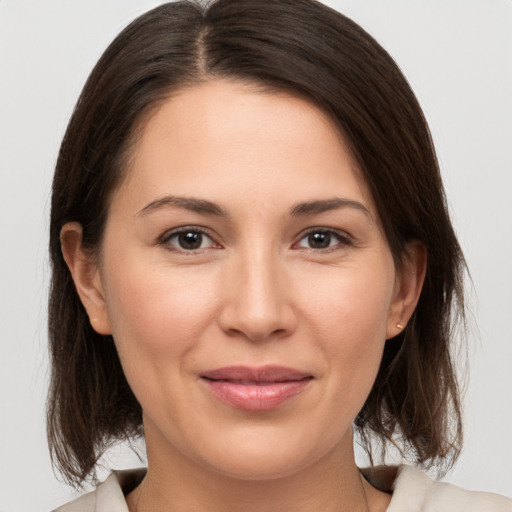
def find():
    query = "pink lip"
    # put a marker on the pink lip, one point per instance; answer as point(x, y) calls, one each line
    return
point(255, 389)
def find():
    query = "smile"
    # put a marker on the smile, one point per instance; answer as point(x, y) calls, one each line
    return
point(255, 389)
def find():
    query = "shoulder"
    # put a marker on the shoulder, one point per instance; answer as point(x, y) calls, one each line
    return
point(415, 491)
point(109, 496)
point(86, 503)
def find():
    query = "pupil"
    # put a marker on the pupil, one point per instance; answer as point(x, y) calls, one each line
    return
point(319, 240)
point(190, 240)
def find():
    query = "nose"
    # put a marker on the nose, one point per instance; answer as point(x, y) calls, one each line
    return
point(256, 298)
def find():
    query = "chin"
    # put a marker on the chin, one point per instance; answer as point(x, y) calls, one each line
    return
point(268, 460)
point(263, 469)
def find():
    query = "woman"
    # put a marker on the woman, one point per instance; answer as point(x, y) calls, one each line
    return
point(251, 254)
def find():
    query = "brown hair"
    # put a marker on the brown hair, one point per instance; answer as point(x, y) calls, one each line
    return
point(308, 49)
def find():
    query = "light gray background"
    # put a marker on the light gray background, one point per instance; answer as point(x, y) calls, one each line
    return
point(457, 54)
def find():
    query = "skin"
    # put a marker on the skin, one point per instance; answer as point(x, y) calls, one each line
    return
point(259, 290)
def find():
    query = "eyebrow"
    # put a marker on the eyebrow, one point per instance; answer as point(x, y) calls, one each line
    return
point(203, 206)
point(325, 205)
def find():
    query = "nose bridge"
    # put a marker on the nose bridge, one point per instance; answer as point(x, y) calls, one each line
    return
point(260, 281)
point(257, 304)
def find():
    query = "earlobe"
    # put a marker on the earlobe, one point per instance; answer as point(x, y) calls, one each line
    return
point(409, 282)
point(86, 276)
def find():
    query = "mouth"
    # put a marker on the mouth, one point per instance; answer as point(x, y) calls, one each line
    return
point(255, 389)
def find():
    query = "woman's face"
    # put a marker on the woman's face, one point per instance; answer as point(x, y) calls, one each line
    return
point(246, 281)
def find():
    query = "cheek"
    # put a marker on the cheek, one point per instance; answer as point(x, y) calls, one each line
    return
point(350, 304)
point(157, 310)
point(349, 316)
point(158, 316)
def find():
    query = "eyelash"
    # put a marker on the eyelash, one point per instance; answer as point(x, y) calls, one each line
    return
point(343, 239)
point(167, 237)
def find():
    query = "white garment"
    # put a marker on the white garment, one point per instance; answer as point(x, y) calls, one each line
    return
point(413, 491)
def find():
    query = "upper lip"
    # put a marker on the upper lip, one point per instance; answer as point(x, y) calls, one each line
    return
point(268, 373)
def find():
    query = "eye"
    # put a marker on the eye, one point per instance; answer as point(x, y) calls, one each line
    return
point(319, 239)
point(188, 239)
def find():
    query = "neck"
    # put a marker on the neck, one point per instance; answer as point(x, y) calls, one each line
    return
point(174, 482)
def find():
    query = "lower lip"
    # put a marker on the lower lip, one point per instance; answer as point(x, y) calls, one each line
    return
point(256, 397)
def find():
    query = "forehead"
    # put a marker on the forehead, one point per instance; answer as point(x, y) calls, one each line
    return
point(231, 135)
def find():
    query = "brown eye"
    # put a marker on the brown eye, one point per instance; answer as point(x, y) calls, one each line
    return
point(322, 239)
point(319, 240)
point(188, 240)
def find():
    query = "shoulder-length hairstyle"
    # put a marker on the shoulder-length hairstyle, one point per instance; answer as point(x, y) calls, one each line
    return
point(301, 47)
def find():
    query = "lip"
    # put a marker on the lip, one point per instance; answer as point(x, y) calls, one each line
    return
point(255, 388)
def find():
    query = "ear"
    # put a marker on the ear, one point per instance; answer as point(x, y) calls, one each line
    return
point(86, 276)
point(408, 285)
